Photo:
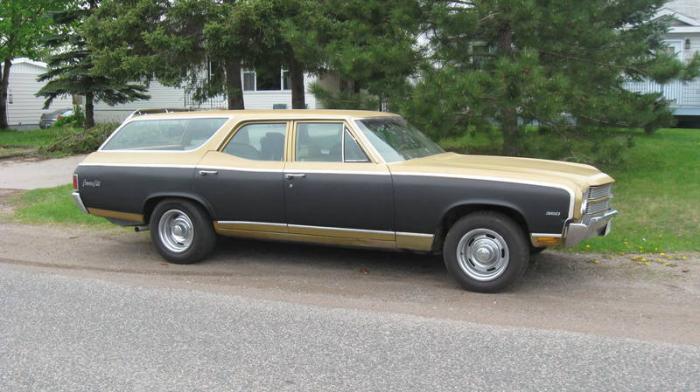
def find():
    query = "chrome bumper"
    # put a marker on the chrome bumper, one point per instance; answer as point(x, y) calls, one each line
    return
point(590, 227)
point(79, 202)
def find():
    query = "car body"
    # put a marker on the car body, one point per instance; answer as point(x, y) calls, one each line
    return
point(47, 120)
point(349, 178)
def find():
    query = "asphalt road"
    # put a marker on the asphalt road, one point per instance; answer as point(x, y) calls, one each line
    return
point(86, 309)
point(31, 174)
point(67, 333)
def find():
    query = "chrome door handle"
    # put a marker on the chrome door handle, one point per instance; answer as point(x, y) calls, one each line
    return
point(291, 176)
point(208, 172)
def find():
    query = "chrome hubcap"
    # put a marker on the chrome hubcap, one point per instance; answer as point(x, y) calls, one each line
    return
point(482, 254)
point(176, 231)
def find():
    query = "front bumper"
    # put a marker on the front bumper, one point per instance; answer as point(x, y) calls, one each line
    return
point(79, 202)
point(595, 226)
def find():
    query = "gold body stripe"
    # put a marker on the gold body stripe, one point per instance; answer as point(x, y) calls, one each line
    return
point(125, 216)
point(325, 235)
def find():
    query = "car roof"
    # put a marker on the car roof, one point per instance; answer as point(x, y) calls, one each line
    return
point(273, 114)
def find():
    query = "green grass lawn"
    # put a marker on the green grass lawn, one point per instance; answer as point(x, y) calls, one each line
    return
point(657, 193)
point(34, 138)
point(52, 205)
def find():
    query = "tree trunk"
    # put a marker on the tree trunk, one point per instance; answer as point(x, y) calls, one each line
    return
point(234, 87)
point(508, 112)
point(512, 139)
point(4, 83)
point(296, 74)
point(89, 111)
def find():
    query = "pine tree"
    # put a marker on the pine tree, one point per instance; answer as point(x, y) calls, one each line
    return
point(373, 47)
point(200, 45)
point(71, 69)
point(558, 63)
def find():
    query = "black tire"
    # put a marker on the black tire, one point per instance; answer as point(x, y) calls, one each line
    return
point(509, 234)
point(203, 239)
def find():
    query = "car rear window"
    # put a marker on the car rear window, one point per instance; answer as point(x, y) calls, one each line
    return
point(164, 135)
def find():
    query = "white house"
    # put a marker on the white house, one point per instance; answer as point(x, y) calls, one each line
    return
point(24, 108)
point(260, 91)
point(684, 39)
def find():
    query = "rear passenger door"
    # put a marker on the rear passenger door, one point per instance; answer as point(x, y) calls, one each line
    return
point(243, 181)
point(333, 188)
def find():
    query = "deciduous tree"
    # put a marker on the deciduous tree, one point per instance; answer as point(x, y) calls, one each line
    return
point(22, 25)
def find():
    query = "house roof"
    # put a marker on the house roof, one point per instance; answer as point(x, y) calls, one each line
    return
point(690, 8)
point(24, 60)
point(686, 12)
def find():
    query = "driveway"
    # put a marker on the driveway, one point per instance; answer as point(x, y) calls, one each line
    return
point(31, 174)
point(653, 299)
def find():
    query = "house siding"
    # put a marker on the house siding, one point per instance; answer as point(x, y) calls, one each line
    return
point(172, 97)
point(24, 109)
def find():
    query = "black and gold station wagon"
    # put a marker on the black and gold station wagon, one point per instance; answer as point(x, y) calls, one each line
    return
point(348, 178)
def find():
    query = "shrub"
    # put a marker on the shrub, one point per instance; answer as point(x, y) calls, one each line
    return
point(80, 141)
point(604, 148)
point(74, 121)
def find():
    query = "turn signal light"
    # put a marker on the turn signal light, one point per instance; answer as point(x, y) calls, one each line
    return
point(75, 182)
point(546, 241)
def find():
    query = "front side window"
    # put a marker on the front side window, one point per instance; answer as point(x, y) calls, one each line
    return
point(258, 142)
point(164, 135)
point(352, 152)
point(319, 142)
point(396, 140)
point(327, 142)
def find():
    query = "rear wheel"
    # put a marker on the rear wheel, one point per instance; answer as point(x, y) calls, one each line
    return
point(486, 251)
point(182, 231)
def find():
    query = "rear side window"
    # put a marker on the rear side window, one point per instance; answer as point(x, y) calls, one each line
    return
point(258, 142)
point(164, 135)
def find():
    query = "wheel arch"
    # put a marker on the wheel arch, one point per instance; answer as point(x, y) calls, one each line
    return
point(458, 210)
point(152, 201)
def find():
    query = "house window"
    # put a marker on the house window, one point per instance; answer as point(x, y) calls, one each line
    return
point(286, 80)
point(675, 47)
point(266, 80)
point(248, 80)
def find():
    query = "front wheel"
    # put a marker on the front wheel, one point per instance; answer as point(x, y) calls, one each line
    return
point(486, 251)
point(181, 231)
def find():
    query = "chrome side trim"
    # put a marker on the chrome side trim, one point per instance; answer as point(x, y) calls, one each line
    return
point(341, 229)
point(424, 235)
point(242, 169)
point(79, 202)
point(251, 223)
point(545, 235)
point(158, 165)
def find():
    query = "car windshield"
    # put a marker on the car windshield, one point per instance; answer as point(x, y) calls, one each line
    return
point(396, 140)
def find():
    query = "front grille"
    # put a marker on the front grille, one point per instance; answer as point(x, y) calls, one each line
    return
point(598, 199)
point(599, 192)
point(597, 206)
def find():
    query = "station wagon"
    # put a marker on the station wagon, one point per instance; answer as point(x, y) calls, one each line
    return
point(345, 178)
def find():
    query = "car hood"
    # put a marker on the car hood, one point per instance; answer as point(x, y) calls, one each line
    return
point(573, 176)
